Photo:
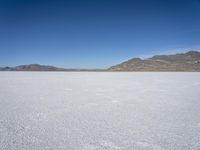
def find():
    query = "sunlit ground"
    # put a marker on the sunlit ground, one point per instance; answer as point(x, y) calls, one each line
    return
point(99, 111)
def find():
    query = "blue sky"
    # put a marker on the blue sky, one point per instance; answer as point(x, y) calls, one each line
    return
point(95, 33)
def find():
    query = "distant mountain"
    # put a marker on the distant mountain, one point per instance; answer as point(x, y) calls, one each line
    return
point(32, 67)
point(189, 61)
point(38, 67)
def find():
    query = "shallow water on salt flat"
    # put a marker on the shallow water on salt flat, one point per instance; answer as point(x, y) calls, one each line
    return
point(99, 111)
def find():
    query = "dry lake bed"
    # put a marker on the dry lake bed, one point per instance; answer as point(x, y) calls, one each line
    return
point(99, 111)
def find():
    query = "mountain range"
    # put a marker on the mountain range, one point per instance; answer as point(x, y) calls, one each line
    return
point(32, 67)
point(38, 67)
point(189, 61)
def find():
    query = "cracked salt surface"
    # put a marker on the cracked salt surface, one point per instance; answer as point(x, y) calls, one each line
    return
point(99, 111)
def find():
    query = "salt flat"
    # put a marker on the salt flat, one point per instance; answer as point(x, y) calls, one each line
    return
point(99, 111)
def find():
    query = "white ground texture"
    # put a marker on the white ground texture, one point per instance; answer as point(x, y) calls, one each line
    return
point(99, 111)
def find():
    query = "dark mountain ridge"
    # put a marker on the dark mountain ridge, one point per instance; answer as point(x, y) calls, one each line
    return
point(32, 67)
point(189, 61)
point(38, 67)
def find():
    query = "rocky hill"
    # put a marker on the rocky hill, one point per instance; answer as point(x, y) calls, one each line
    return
point(37, 67)
point(189, 61)
point(32, 67)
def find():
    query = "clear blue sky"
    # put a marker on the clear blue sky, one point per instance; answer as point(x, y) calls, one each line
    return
point(94, 33)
